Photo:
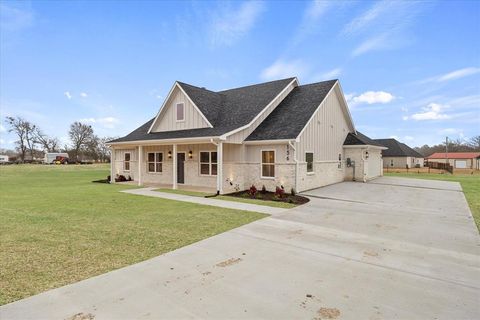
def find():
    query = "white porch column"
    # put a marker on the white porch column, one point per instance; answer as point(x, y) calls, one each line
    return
point(220, 167)
point(174, 173)
point(140, 159)
point(112, 164)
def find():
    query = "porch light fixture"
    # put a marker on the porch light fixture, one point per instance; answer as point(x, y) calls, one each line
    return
point(190, 154)
point(169, 154)
point(366, 155)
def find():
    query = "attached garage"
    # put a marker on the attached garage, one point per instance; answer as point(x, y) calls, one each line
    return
point(364, 157)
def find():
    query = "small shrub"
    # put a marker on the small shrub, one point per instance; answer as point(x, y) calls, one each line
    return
point(129, 178)
point(120, 178)
point(293, 192)
point(279, 193)
point(264, 190)
point(252, 191)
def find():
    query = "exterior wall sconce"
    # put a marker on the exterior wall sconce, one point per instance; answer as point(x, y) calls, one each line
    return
point(366, 155)
point(169, 154)
point(190, 154)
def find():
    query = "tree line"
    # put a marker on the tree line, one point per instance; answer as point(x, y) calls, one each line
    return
point(33, 143)
point(458, 145)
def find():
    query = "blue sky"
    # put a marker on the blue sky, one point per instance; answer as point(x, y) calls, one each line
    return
point(409, 70)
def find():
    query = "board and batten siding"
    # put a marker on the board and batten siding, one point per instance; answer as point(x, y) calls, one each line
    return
point(325, 133)
point(168, 118)
point(240, 136)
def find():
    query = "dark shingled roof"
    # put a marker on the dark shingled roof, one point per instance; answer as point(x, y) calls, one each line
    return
point(292, 114)
point(226, 110)
point(353, 139)
point(397, 149)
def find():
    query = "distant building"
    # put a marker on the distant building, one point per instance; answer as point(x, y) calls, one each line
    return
point(4, 158)
point(399, 155)
point(458, 160)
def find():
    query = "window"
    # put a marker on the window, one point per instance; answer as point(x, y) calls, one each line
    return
point(208, 163)
point(268, 164)
point(180, 112)
point(309, 159)
point(155, 162)
point(126, 161)
point(339, 161)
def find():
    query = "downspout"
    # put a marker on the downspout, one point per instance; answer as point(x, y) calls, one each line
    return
point(296, 164)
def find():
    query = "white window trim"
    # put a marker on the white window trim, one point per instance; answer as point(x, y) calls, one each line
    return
point(129, 161)
point(154, 162)
point(261, 164)
point(209, 163)
point(176, 112)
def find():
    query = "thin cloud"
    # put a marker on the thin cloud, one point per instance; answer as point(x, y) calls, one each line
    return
point(328, 75)
point(393, 18)
point(453, 75)
point(68, 95)
point(15, 17)
point(231, 24)
point(106, 122)
point(284, 69)
point(83, 94)
point(314, 11)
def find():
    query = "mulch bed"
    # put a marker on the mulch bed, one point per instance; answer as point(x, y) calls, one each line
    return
point(270, 196)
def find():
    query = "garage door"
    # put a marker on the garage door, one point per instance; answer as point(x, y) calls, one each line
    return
point(374, 167)
point(461, 164)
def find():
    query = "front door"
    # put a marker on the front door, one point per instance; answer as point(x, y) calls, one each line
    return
point(181, 167)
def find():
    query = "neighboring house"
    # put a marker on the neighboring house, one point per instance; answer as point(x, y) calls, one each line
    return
point(274, 134)
point(399, 155)
point(459, 160)
point(3, 158)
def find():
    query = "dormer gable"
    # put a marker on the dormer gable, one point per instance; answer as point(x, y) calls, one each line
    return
point(179, 112)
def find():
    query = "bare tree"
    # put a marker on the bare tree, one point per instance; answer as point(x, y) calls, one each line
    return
point(103, 149)
point(48, 144)
point(21, 128)
point(475, 143)
point(80, 135)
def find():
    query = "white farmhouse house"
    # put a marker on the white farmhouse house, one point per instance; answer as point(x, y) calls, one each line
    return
point(277, 133)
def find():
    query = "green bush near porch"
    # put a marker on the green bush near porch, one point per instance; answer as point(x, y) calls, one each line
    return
point(57, 227)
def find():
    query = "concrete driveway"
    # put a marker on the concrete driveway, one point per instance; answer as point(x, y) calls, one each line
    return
point(393, 248)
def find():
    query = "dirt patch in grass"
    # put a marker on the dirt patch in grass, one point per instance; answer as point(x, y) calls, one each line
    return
point(270, 196)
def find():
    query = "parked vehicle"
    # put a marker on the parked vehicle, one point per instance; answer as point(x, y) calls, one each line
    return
point(54, 157)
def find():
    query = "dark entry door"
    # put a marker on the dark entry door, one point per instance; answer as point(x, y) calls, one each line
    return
point(180, 167)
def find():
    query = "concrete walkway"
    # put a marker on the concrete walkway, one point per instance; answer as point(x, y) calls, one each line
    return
point(392, 249)
point(149, 192)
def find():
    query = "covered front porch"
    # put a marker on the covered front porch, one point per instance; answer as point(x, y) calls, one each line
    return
point(196, 166)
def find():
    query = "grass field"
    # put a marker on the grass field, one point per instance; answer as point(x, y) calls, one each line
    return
point(470, 185)
point(57, 227)
point(277, 204)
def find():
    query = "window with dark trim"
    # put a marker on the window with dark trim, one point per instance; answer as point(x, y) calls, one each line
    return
point(268, 164)
point(309, 160)
point(208, 163)
point(155, 162)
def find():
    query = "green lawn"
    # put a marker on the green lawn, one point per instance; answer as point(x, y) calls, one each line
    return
point(277, 204)
point(57, 227)
point(470, 185)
